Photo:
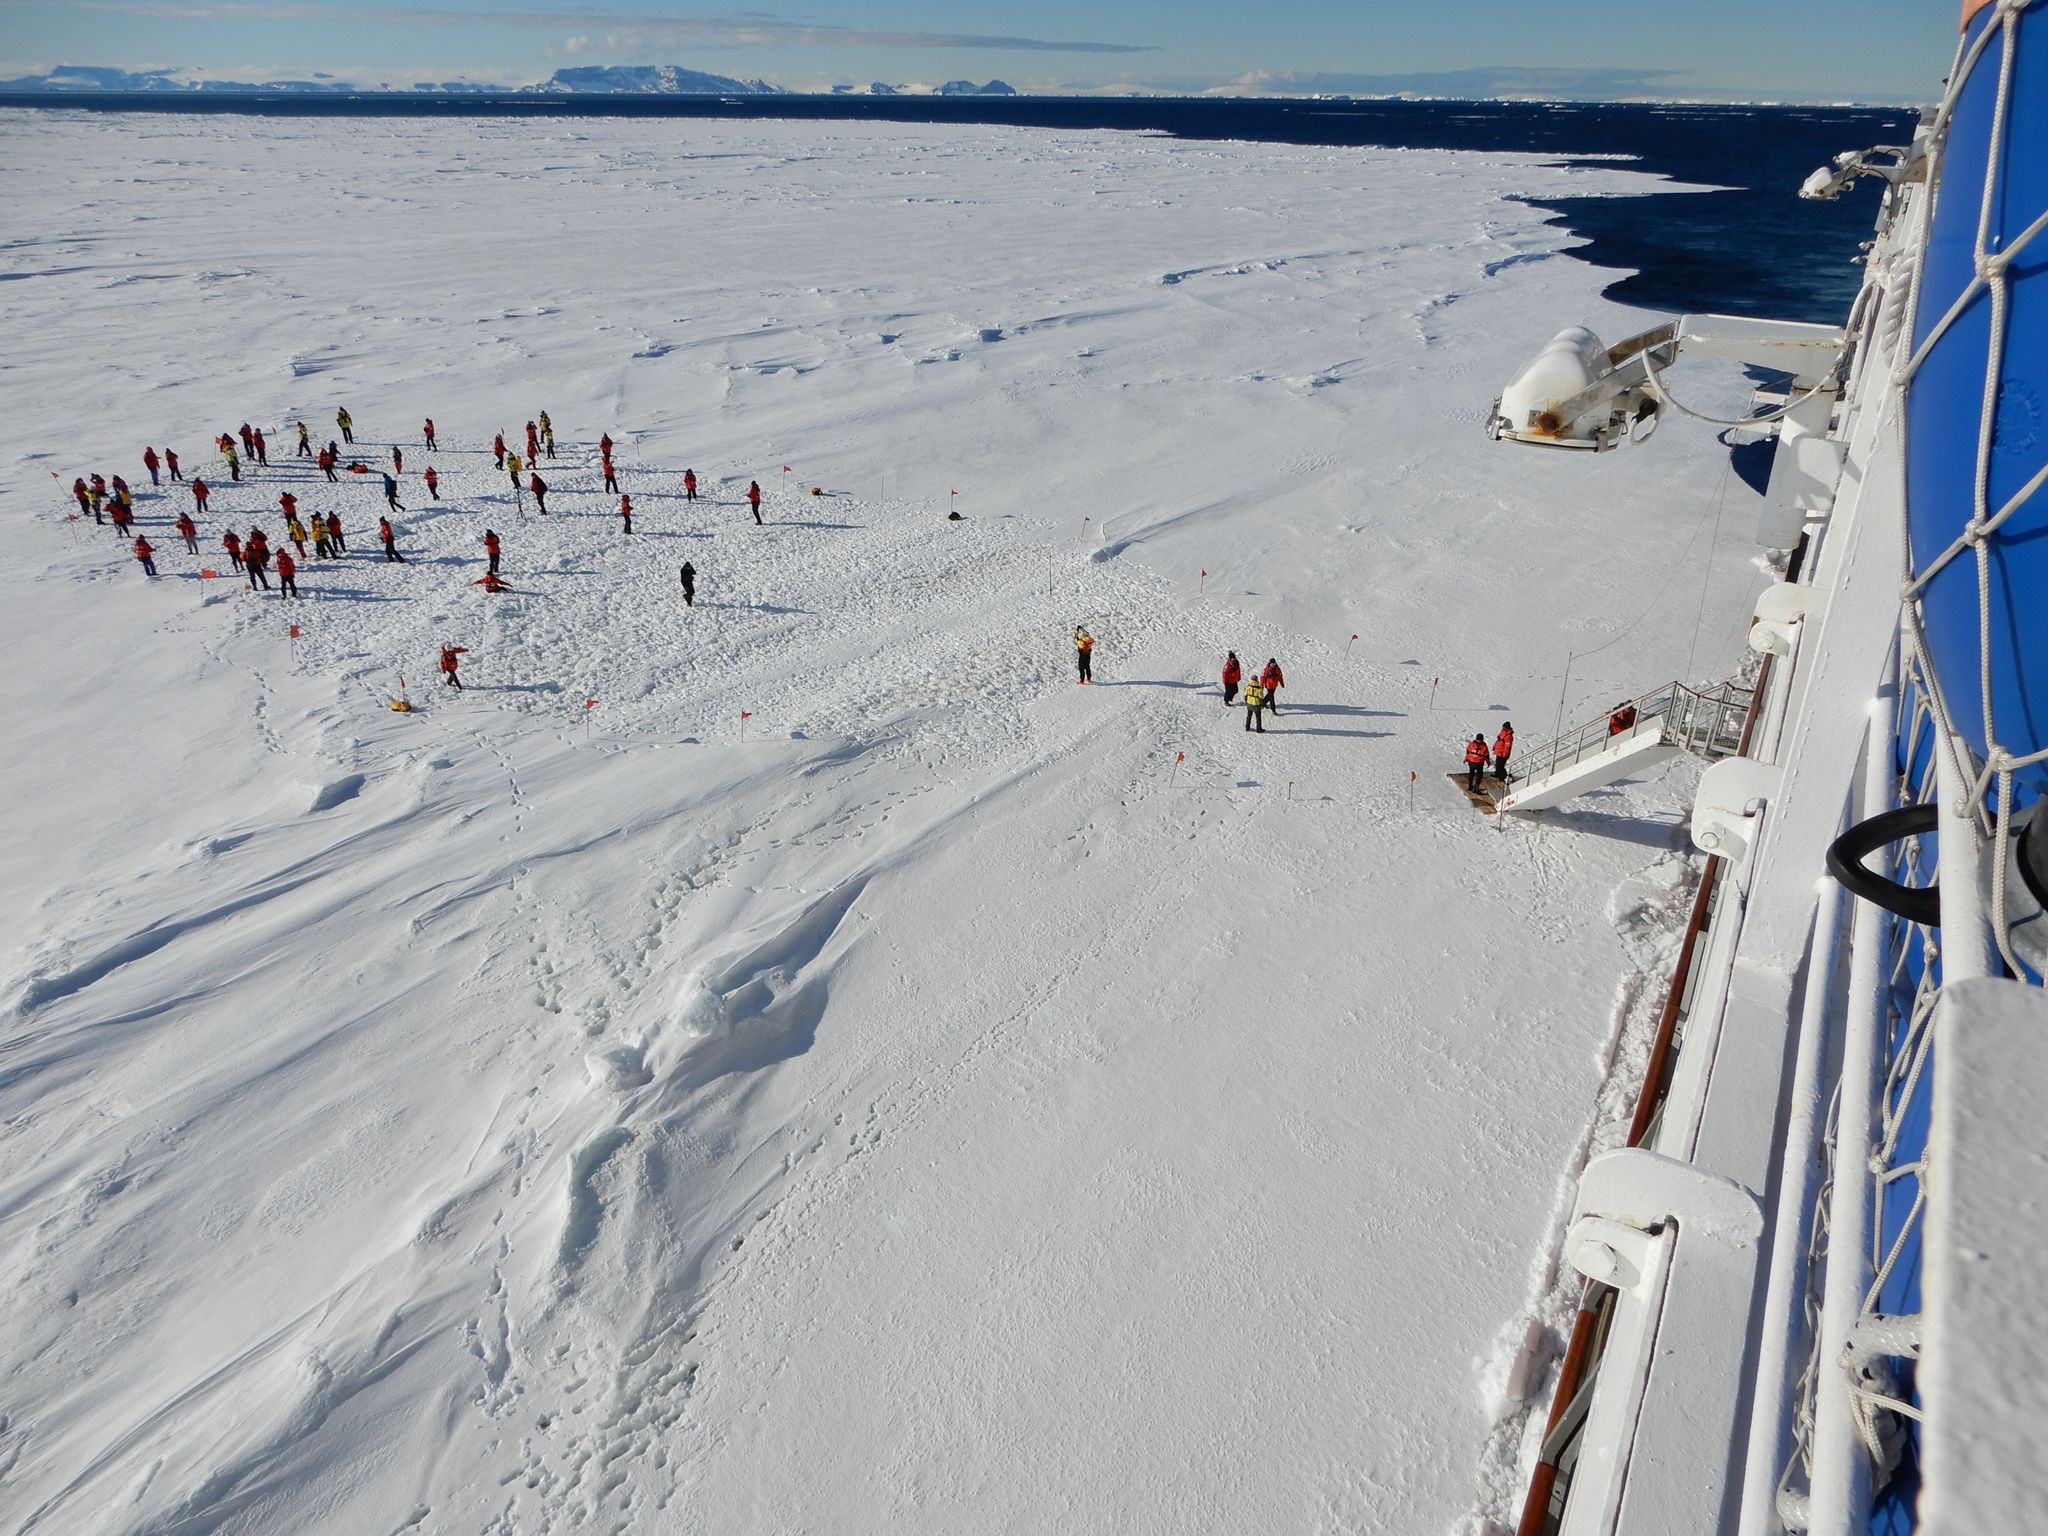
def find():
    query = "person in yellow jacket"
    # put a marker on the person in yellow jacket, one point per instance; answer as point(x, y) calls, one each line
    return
point(1255, 705)
point(347, 423)
point(1084, 649)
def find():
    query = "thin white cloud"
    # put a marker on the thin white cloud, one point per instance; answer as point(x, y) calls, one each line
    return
point(700, 31)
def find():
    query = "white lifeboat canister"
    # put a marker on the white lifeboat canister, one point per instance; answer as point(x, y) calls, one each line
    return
point(1572, 360)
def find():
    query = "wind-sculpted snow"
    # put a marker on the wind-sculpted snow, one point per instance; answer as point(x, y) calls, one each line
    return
point(927, 1103)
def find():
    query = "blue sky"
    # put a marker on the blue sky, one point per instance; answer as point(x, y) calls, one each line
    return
point(1811, 49)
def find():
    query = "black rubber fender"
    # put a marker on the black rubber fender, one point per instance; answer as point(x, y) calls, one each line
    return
point(1916, 904)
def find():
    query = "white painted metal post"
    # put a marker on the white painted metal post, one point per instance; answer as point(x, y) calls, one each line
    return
point(1841, 1466)
point(1784, 1324)
point(1966, 942)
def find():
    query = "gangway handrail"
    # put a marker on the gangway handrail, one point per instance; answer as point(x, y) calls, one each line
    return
point(1706, 721)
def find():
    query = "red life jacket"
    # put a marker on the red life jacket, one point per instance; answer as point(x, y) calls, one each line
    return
point(1504, 743)
point(142, 548)
point(1271, 678)
point(1475, 750)
point(491, 543)
point(1231, 671)
point(285, 564)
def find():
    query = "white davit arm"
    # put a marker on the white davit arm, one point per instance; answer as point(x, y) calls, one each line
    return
point(1576, 393)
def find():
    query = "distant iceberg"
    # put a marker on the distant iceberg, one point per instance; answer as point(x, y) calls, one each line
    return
point(653, 79)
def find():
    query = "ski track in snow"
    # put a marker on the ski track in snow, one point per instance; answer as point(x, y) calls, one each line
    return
point(935, 1110)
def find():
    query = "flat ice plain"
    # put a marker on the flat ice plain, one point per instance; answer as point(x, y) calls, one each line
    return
point(937, 1111)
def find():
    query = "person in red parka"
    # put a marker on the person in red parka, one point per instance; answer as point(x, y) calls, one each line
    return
point(326, 463)
point(611, 476)
point(189, 532)
point(119, 515)
point(539, 487)
point(334, 533)
point(532, 443)
point(433, 482)
point(231, 541)
point(432, 446)
point(1271, 680)
point(262, 448)
point(390, 537)
point(1623, 717)
point(1503, 749)
point(604, 445)
point(754, 498)
point(287, 575)
point(1232, 675)
point(1475, 763)
point(397, 459)
point(199, 493)
point(449, 662)
point(491, 581)
point(498, 449)
point(143, 552)
point(84, 494)
point(150, 462)
point(492, 548)
point(626, 512)
point(689, 485)
point(171, 463)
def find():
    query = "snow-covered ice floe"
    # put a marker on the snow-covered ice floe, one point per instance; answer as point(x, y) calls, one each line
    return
point(926, 1103)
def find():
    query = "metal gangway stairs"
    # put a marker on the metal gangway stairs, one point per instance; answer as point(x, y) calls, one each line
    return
point(1672, 719)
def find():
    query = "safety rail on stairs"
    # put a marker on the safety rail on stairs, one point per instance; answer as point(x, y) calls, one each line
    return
point(1706, 722)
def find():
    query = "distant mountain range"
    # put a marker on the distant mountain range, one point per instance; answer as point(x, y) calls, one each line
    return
point(586, 80)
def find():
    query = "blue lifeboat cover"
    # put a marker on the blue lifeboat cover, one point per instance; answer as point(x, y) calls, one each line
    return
point(1945, 402)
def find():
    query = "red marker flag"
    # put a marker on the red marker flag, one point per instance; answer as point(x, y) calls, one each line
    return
point(295, 632)
point(746, 714)
point(785, 469)
point(590, 703)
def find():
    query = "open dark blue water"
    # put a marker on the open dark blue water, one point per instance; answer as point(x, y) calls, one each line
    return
point(1752, 249)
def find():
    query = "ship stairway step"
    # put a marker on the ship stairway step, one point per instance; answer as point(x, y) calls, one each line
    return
point(1707, 722)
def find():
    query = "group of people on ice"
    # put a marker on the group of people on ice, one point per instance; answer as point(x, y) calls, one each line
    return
point(1261, 693)
point(1476, 756)
point(109, 500)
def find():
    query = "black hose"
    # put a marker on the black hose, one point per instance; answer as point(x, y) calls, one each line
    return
point(2033, 859)
point(1916, 904)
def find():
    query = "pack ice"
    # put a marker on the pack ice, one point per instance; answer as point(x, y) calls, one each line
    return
point(945, 1098)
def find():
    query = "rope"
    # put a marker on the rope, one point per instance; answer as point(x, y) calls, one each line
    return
point(1707, 571)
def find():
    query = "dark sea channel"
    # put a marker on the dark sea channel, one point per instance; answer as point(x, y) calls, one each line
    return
point(1751, 247)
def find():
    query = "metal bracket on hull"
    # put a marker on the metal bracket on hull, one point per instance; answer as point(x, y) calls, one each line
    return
point(1724, 813)
point(1628, 1198)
